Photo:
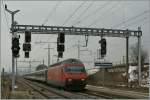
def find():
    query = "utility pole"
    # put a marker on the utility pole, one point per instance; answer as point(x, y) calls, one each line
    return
point(43, 61)
point(78, 49)
point(13, 34)
point(49, 53)
point(47, 48)
point(55, 56)
point(123, 60)
point(30, 66)
point(127, 58)
point(16, 69)
point(139, 56)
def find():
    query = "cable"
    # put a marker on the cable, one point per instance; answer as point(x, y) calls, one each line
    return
point(136, 22)
point(88, 8)
point(47, 18)
point(93, 13)
point(132, 18)
point(108, 10)
point(51, 13)
point(74, 12)
point(85, 10)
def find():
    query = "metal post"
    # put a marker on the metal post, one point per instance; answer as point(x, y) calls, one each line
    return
point(3, 71)
point(103, 76)
point(48, 55)
point(78, 49)
point(139, 57)
point(43, 61)
point(127, 58)
point(13, 59)
point(30, 66)
point(97, 53)
point(16, 69)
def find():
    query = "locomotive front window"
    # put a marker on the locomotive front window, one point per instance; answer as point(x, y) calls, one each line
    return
point(74, 69)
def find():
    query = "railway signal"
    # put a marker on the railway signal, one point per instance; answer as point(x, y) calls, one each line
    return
point(61, 37)
point(60, 54)
point(27, 36)
point(103, 46)
point(60, 48)
point(27, 45)
point(60, 44)
point(26, 53)
point(15, 46)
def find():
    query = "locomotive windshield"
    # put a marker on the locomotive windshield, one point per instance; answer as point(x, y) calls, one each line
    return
point(74, 69)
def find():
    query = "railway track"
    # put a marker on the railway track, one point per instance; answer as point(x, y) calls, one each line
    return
point(65, 94)
point(46, 93)
point(91, 92)
point(116, 93)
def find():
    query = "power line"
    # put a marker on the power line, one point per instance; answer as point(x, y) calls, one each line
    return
point(132, 18)
point(108, 10)
point(140, 20)
point(74, 12)
point(85, 10)
point(93, 13)
point(51, 13)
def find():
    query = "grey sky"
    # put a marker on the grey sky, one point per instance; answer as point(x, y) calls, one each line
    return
point(100, 14)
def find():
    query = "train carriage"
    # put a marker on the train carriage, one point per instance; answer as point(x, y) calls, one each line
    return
point(69, 74)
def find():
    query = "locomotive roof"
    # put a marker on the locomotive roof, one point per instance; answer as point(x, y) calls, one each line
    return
point(67, 61)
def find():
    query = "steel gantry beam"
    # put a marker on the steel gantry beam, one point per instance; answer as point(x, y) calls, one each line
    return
point(37, 29)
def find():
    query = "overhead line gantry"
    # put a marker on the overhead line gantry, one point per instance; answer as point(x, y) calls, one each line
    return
point(40, 29)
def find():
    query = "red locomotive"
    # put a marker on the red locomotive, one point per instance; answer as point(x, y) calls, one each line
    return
point(69, 74)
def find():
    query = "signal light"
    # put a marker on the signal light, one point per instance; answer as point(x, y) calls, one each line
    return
point(26, 47)
point(26, 54)
point(15, 47)
point(60, 48)
point(60, 44)
point(60, 54)
point(27, 36)
point(103, 46)
point(61, 38)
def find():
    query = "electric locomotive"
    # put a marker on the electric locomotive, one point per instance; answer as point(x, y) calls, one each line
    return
point(69, 74)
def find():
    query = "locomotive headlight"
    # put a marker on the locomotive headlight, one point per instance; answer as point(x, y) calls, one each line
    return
point(69, 79)
point(82, 79)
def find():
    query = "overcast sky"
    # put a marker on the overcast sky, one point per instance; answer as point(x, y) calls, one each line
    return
point(97, 14)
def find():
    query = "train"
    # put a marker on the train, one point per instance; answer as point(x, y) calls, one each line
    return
point(69, 74)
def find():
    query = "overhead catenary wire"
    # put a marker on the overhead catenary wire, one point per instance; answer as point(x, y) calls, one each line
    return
point(136, 21)
point(84, 11)
point(93, 13)
point(51, 13)
point(89, 7)
point(72, 14)
point(108, 10)
point(132, 18)
point(48, 17)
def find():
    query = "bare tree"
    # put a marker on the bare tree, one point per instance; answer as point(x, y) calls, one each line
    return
point(134, 54)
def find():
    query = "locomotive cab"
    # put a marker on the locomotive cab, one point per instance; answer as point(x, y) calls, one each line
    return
point(75, 77)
